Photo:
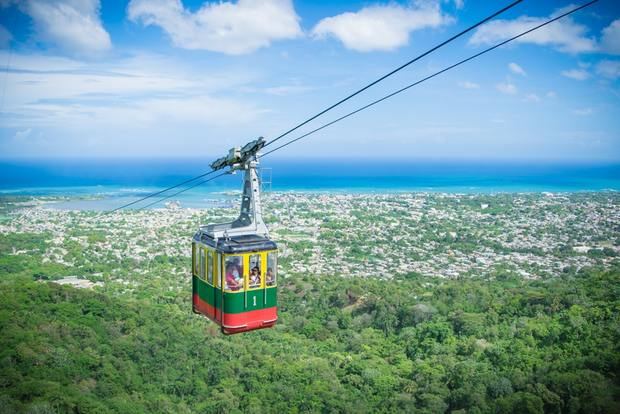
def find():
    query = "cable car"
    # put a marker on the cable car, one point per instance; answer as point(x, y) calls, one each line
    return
point(234, 265)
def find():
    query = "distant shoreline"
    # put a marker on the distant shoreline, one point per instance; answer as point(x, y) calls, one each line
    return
point(229, 199)
point(44, 177)
point(106, 184)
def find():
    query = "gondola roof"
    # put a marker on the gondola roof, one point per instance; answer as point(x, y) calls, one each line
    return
point(236, 244)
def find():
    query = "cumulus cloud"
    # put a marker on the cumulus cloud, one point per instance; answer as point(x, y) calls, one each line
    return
point(385, 27)
point(610, 38)
point(231, 28)
point(469, 85)
point(72, 25)
point(514, 68)
point(507, 88)
point(531, 97)
point(564, 35)
point(609, 69)
point(577, 74)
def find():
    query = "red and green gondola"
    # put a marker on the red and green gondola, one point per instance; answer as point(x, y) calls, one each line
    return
point(242, 303)
point(234, 265)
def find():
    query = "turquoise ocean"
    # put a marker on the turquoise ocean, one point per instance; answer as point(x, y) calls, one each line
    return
point(105, 184)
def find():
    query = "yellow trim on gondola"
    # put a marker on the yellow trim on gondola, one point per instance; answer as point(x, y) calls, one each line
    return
point(245, 257)
point(218, 263)
point(203, 264)
point(201, 255)
point(246, 271)
point(194, 259)
point(263, 267)
point(261, 257)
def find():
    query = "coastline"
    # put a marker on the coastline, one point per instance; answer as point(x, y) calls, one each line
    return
point(107, 184)
point(101, 202)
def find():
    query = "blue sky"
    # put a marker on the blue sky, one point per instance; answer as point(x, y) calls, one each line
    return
point(160, 78)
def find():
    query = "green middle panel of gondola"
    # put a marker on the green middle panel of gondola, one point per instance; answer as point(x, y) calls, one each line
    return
point(234, 281)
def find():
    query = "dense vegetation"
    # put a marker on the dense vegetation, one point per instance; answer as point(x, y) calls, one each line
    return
point(342, 345)
point(488, 341)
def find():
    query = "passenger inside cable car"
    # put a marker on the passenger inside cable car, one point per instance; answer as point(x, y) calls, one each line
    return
point(255, 273)
point(271, 280)
point(234, 272)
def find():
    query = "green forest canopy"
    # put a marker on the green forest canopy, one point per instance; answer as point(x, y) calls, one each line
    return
point(414, 344)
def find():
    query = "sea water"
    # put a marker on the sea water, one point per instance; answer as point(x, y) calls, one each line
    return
point(106, 184)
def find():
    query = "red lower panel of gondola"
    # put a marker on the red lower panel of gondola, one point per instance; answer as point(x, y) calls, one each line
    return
point(237, 322)
point(200, 306)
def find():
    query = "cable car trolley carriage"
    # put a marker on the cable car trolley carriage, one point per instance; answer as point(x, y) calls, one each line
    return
point(234, 265)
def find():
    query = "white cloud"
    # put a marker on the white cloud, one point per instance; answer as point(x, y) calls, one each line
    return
point(28, 62)
point(124, 105)
point(293, 88)
point(147, 89)
point(23, 134)
point(551, 94)
point(609, 69)
point(231, 28)
point(564, 35)
point(384, 27)
point(610, 39)
point(5, 36)
point(514, 68)
point(203, 109)
point(507, 88)
point(577, 74)
point(285, 90)
point(459, 4)
point(531, 97)
point(72, 25)
point(583, 111)
point(469, 85)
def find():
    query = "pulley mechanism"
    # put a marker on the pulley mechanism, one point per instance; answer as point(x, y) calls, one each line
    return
point(238, 156)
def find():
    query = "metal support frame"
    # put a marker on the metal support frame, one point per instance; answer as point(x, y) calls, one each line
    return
point(250, 220)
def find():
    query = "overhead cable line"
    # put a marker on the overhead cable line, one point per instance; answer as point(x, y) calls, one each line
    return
point(445, 42)
point(184, 190)
point(401, 67)
point(163, 191)
point(429, 77)
point(401, 90)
